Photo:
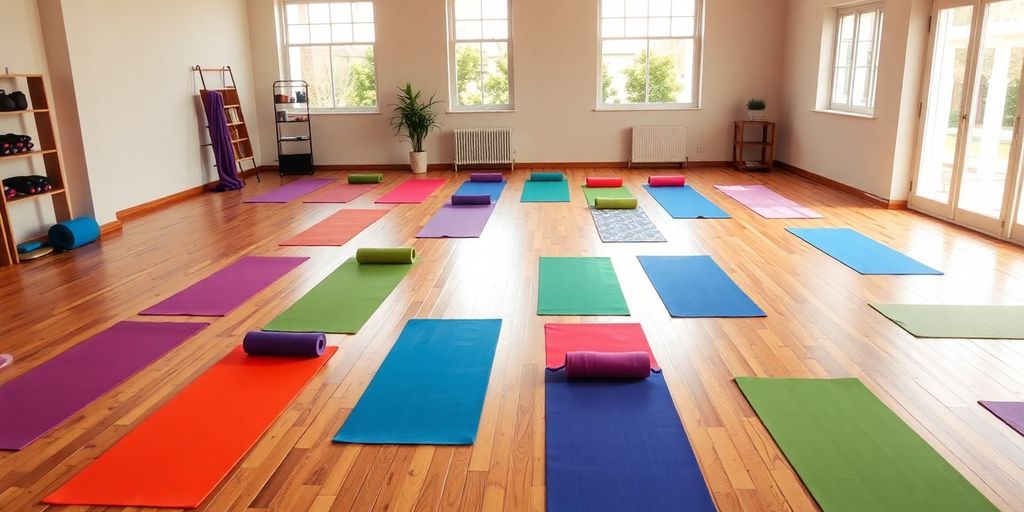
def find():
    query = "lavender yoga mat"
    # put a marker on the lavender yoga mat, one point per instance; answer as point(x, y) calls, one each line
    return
point(293, 190)
point(766, 203)
point(46, 395)
point(607, 365)
point(1012, 413)
point(227, 288)
point(299, 344)
point(487, 177)
point(457, 222)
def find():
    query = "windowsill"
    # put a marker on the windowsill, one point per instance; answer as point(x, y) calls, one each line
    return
point(647, 108)
point(324, 112)
point(482, 111)
point(842, 113)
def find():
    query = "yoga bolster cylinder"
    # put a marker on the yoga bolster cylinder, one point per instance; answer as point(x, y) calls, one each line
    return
point(615, 203)
point(70, 234)
point(485, 176)
point(604, 182)
point(385, 255)
point(365, 178)
point(464, 199)
point(666, 181)
point(301, 344)
point(546, 176)
point(607, 365)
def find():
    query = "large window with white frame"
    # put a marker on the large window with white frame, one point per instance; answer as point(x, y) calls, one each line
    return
point(650, 53)
point(858, 32)
point(479, 49)
point(330, 44)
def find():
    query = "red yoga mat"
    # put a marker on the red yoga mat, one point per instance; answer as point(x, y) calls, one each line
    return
point(177, 456)
point(562, 338)
point(593, 182)
point(666, 181)
point(340, 193)
point(411, 192)
point(337, 229)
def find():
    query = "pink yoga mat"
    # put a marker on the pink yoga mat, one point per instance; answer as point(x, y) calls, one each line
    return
point(766, 203)
point(411, 192)
point(227, 288)
point(43, 397)
point(340, 193)
point(560, 339)
point(1012, 413)
point(290, 191)
point(451, 221)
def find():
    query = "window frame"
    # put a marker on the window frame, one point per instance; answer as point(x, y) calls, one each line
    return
point(453, 93)
point(856, 10)
point(285, 47)
point(698, 65)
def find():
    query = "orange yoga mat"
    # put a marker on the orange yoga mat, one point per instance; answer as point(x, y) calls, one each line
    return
point(177, 456)
point(337, 229)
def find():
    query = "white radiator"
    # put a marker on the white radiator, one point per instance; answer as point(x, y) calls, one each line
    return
point(658, 144)
point(483, 146)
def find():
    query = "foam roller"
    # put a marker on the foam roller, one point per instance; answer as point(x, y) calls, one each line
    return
point(370, 255)
point(467, 199)
point(546, 176)
point(666, 181)
point(300, 344)
point(615, 203)
point(593, 182)
point(485, 176)
point(72, 234)
point(607, 365)
point(365, 178)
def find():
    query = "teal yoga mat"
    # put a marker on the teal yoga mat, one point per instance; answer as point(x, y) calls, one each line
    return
point(544, 188)
point(430, 389)
point(579, 286)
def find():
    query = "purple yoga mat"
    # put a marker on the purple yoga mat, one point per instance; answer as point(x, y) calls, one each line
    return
point(607, 365)
point(766, 203)
point(490, 177)
point(457, 222)
point(301, 344)
point(43, 397)
point(467, 199)
point(227, 288)
point(1012, 413)
point(293, 190)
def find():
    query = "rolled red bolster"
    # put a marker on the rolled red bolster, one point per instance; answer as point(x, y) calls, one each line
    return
point(593, 182)
point(607, 365)
point(666, 181)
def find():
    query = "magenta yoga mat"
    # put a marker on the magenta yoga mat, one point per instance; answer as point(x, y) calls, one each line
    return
point(41, 398)
point(766, 203)
point(457, 221)
point(227, 288)
point(290, 191)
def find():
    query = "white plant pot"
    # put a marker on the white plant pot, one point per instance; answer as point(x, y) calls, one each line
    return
point(418, 159)
point(755, 115)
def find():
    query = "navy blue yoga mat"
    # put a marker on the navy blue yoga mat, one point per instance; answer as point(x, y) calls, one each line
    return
point(685, 203)
point(430, 389)
point(493, 188)
point(696, 287)
point(615, 445)
point(862, 253)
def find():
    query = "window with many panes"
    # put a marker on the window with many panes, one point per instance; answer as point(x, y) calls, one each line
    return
point(330, 46)
point(478, 54)
point(858, 31)
point(650, 53)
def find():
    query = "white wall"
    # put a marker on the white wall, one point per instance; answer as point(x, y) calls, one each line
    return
point(555, 52)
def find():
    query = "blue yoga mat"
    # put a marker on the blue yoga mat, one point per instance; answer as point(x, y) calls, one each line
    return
point(430, 388)
point(617, 445)
point(493, 188)
point(685, 203)
point(696, 287)
point(862, 253)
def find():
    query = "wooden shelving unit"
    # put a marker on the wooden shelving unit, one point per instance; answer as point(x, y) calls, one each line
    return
point(240, 142)
point(48, 151)
point(765, 144)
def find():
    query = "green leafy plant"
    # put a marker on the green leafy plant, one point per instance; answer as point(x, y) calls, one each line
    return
point(756, 104)
point(652, 81)
point(413, 118)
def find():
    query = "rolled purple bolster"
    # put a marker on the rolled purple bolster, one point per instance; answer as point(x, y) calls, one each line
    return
point(464, 199)
point(485, 176)
point(607, 365)
point(300, 344)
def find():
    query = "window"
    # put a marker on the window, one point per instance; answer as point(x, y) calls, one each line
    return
point(478, 55)
point(650, 53)
point(855, 59)
point(330, 46)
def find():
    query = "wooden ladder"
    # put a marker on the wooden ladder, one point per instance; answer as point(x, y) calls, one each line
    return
point(240, 141)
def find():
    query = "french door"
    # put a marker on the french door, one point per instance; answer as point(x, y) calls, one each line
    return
point(969, 160)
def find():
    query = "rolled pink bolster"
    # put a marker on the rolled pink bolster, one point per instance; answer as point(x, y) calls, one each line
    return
point(607, 365)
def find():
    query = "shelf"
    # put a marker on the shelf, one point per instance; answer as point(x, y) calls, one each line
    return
point(283, 122)
point(27, 111)
point(28, 153)
point(232, 106)
point(297, 138)
point(239, 140)
point(233, 124)
point(33, 196)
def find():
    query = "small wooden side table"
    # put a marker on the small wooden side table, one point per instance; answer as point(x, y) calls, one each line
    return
point(766, 145)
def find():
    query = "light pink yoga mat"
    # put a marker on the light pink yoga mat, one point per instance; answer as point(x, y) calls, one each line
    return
point(766, 203)
point(340, 193)
point(1012, 413)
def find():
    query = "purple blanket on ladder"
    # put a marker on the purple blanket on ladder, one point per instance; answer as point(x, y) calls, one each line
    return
point(220, 138)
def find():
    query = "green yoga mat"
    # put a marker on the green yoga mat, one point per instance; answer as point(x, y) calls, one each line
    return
point(615, 203)
point(386, 255)
point(343, 301)
point(579, 286)
point(365, 178)
point(610, 193)
point(852, 452)
point(545, 187)
point(934, 321)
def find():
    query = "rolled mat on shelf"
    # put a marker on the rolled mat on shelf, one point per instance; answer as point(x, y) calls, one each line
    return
point(71, 234)
point(615, 203)
point(607, 365)
point(547, 176)
point(593, 182)
point(666, 181)
point(300, 344)
point(365, 178)
point(485, 176)
point(464, 199)
point(371, 255)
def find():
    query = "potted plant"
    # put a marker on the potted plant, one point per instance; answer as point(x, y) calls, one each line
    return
point(414, 119)
point(755, 109)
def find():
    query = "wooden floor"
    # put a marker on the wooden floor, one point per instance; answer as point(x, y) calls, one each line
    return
point(818, 325)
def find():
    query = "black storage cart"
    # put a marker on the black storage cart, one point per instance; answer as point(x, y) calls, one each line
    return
point(294, 131)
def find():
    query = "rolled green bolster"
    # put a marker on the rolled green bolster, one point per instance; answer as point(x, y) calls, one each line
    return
point(615, 203)
point(365, 178)
point(371, 255)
